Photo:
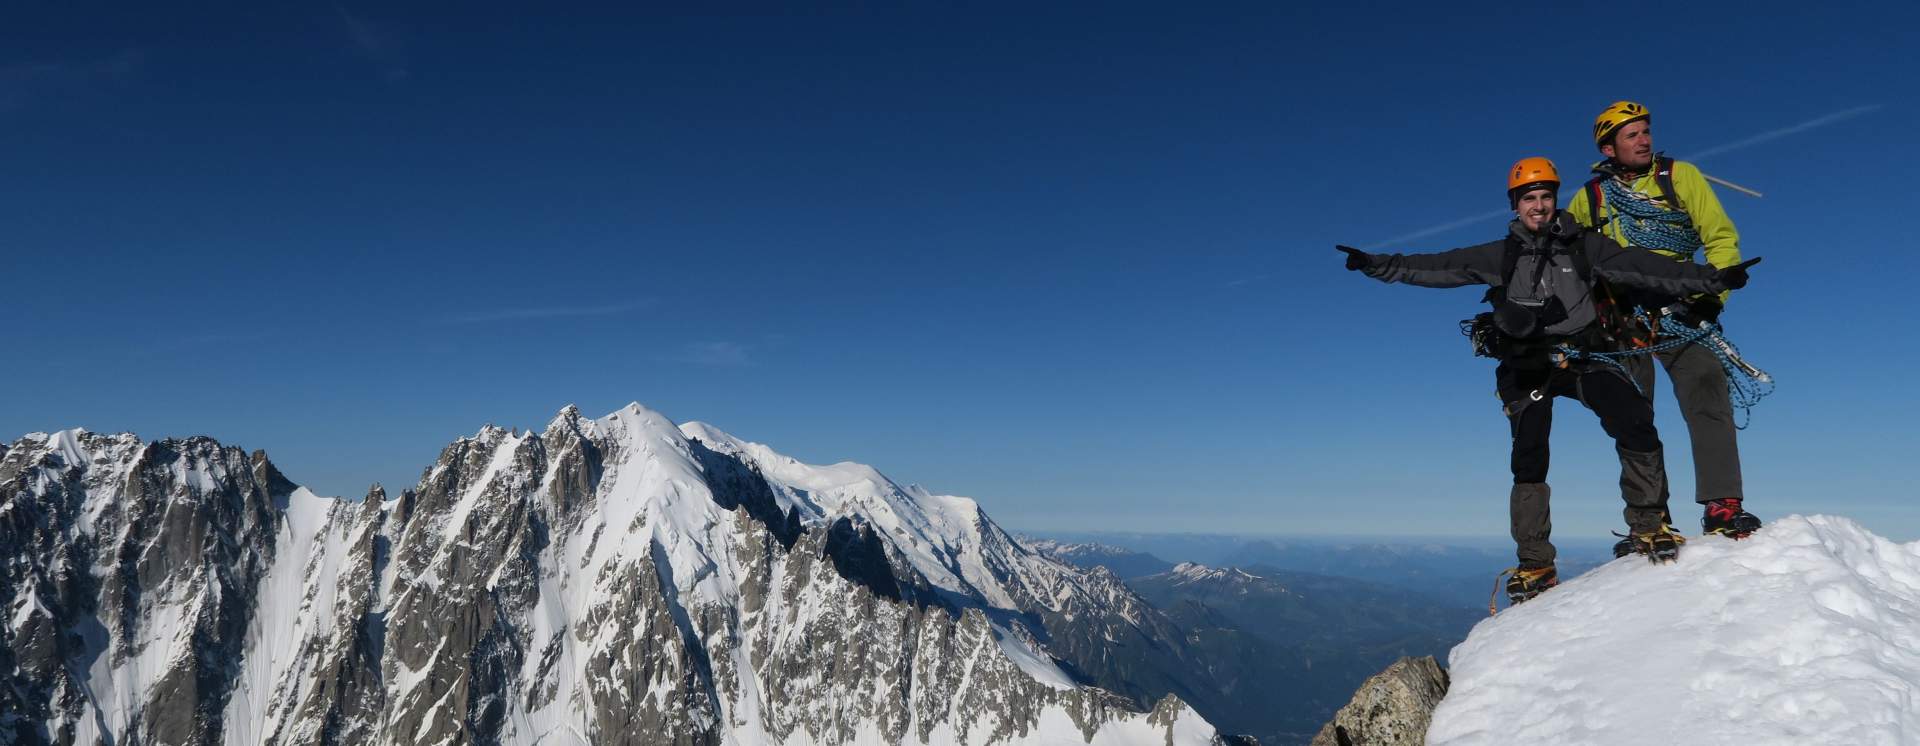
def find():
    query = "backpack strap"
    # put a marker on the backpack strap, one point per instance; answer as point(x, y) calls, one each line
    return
point(1663, 176)
point(1509, 259)
point(1577, 251)
point(1595, 197)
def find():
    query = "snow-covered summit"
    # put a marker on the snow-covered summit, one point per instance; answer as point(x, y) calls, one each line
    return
point(946, 537)
point(1197, 571)
point(1806, 633)
point(1193, 572)
point(610, 580)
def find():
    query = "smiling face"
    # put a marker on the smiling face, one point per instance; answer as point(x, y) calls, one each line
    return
point(1535, 208)
point(1631, 146)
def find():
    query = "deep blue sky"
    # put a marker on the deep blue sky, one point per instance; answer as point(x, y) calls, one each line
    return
point(1073, 261)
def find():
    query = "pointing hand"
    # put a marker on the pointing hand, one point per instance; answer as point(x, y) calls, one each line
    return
point(1735, 277)
point(1357, 259)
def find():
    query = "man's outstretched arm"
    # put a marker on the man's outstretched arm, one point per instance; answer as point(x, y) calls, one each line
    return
point(1473, 265)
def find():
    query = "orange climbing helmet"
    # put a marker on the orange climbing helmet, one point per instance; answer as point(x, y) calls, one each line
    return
point(1530, 174)
point(1615, 117)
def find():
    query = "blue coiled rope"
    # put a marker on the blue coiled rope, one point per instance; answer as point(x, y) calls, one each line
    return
point(1644, 222)
point(1746, 384)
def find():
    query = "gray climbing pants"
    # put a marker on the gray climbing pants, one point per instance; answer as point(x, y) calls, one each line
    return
point(1700, 386)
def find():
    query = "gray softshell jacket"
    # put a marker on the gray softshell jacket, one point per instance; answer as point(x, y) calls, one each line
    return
point(1545, 269)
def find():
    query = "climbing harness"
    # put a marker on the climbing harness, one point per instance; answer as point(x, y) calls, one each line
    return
point(1747, 384)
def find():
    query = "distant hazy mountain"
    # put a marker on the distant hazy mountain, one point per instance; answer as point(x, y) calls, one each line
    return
point(1452, 573)
point(1124, 562)
point(1318, 637)
point(1456, 572)
point(1206, 549)
point(1355, 626)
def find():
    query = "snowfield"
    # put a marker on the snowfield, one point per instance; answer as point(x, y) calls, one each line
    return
point(1807, 633)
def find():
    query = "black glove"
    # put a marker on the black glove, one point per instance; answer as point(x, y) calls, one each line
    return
point(1705, 308)
point(1735, 277)
point(1357, 259)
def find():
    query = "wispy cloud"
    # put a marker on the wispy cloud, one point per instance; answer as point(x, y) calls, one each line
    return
point(717, 354)
point(549, 312)
point(196, 343)
point(25, 83)
point(224, 338)
point(375, 44)
point(1815, 123)
point(1248, 280)
point(1438, 229)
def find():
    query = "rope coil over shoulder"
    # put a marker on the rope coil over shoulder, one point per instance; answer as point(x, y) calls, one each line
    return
point(1644, 221)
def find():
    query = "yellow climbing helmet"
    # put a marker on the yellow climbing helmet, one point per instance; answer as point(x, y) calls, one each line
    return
point(1615, 117)
point(1529, 174)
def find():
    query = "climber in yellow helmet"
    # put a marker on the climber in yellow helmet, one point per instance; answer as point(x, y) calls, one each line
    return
point(1641, 198)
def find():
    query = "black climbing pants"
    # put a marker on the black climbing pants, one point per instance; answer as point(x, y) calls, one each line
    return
point(1700, 386)
point(1625, 415)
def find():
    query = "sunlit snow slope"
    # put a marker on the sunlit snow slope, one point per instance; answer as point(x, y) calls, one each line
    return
point(1807, 633)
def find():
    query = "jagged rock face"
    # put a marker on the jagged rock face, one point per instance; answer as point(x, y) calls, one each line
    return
point(1393, 708)
point(607, 581)
point(126, 615)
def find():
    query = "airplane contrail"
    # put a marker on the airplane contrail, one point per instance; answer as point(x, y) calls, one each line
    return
point(1838, 116)
point(1441, 228)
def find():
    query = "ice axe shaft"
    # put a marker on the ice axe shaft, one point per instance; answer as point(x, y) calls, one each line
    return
point(1731, 185)
point(1733, 356)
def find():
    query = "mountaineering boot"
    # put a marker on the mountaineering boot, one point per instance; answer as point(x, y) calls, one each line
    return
point(1624, 546)
point(1660, 546)
point(1726, 518)
point(1525, 583)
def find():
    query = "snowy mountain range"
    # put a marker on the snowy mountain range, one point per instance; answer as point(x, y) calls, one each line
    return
point(613, 580)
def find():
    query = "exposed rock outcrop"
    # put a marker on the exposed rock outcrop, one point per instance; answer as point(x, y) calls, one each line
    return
point(1391, 709)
